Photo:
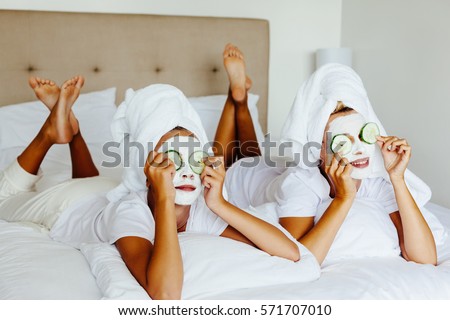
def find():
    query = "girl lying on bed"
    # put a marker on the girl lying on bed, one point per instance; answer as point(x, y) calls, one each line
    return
point(352, 203)
point(142, 215)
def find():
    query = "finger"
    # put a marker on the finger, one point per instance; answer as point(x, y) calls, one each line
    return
point(203, 174)
point(206, 182)
point(407, 154)
point(212, 173)
point(388, 144)
point(399, 142)
point(213, 160)
point(334, 165)
point(165, 163)
point(330, 163)
point(151, 156)
point(342, 164)
point(217, 163)
point(382, 138)
point(380, 143)
point(207, 172)
point(347, 170)
point(157, 159)
point(405, 149)
point(396, 144)
point(218, 172)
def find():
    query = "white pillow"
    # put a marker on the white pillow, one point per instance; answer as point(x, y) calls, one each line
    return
point(112, 275)
point(210, 109)
point(33, 266)
point(215, 265)
point(367, 231)
point(8, 155)
point(19, 123)
point(211, 265)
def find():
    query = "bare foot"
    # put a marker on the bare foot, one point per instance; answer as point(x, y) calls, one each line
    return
point(48, 93)
point(233, 60)
point(45, 90)
point(59, 128)
point(248, 83)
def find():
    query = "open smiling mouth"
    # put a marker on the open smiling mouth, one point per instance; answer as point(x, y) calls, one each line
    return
point(186, 187)
point(360, 163)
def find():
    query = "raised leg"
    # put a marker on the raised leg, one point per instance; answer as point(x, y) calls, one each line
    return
point(82, 164)
point(56, 129)
point(48, 92)
point(235, 135)
point(246, 134)
point(225, 141)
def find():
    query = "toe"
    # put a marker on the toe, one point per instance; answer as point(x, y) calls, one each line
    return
point(80, 82)
point(32, 81)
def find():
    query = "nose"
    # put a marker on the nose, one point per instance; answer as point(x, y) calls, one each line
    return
point(359, 147)
point(188, 175)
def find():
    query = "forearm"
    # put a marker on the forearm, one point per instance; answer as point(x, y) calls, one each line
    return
point(262, 234)
point(320, 238)
point(418, 240)
point(165, 269)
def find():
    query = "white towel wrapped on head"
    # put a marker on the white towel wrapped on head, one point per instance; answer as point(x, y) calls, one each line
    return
point(145, 116)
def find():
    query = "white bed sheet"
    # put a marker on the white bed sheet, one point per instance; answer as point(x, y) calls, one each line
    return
point(32, 266)
point(368, 278)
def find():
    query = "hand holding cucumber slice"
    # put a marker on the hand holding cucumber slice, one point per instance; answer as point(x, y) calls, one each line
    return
point(196, 161)
point(175, 157)
point(341, 143)
point(369, 133)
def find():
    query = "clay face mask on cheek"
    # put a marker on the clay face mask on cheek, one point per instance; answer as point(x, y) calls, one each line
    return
point(187, 183)
point(361, 155)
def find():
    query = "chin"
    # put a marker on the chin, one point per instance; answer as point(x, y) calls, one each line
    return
point(186, 198)
point(360, 174)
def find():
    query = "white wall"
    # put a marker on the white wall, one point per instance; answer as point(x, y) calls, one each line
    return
point(401, 50)
point(297, 29)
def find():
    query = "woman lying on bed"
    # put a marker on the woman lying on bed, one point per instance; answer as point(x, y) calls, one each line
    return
point(152, 204)
point(313, 203)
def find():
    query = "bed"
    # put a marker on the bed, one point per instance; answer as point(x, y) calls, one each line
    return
point(115, 52)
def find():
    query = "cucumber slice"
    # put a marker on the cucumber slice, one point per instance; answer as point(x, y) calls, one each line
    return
point(196, 161)
point(369, 133)
point(341, 143)
point(175, 157)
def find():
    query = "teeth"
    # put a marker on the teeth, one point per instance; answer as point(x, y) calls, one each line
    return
point(358, 163)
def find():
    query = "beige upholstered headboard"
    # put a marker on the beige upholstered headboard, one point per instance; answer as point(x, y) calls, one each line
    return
point(125, 50)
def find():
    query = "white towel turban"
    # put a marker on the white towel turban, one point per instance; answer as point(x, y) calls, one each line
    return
point(316, 100)
point(146, 115)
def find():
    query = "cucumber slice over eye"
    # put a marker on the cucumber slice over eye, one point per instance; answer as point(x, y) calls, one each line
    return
point(175, 157)
point(369, 133)
point(196, 161)
point(341, 143)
